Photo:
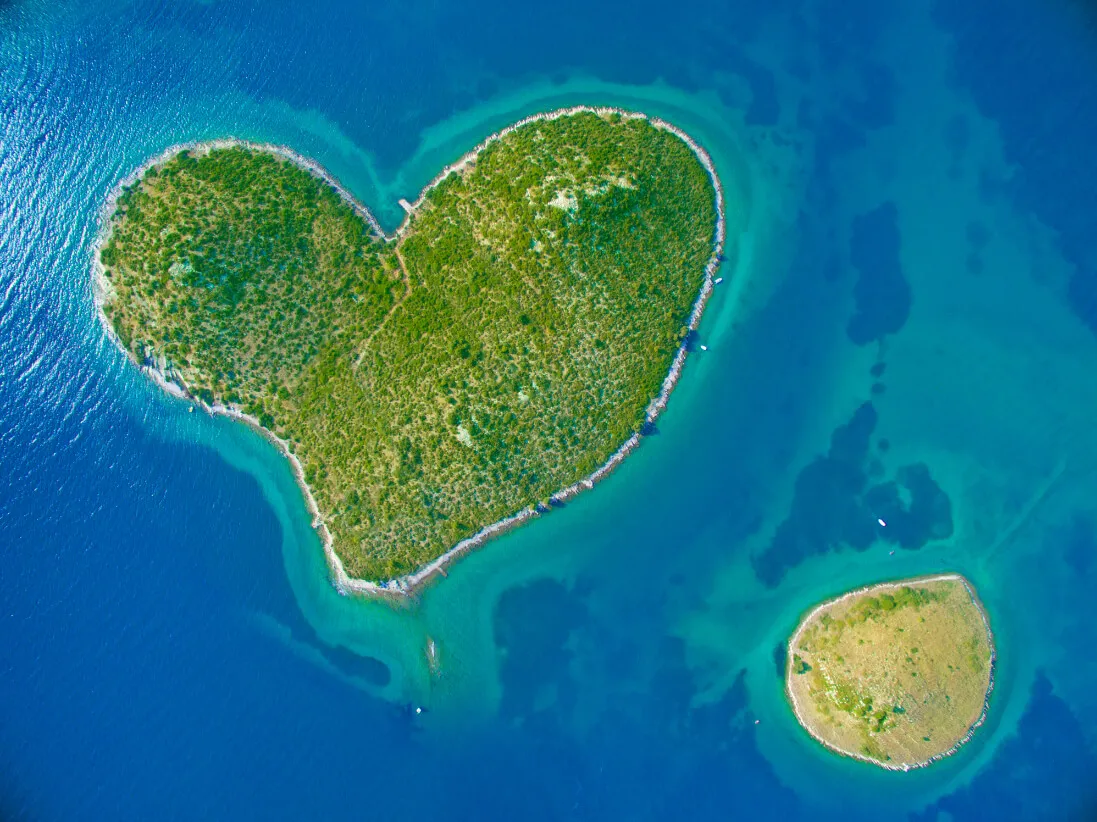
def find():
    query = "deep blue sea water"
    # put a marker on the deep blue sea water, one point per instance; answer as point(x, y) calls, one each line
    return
point(909, 328)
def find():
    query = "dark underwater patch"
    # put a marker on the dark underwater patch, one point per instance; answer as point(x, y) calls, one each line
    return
point(914, 507)
point(1016, 58)
point(834, 507)
point(532, 625)
point(882, 294)
point(853, 28)
point(780, 659)
point(364, 667)
point(875, 108)
point(722, 741)
point(1043, 772)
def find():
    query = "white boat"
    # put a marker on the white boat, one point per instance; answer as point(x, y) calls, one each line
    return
point(718, 280)
point(704, 348)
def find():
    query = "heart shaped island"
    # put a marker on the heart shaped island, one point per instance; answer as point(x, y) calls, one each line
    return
point(503, 350)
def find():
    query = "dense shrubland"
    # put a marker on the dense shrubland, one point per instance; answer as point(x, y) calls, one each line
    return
point(500, 349)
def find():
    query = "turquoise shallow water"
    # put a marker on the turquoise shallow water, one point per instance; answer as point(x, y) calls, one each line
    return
point(907, 329)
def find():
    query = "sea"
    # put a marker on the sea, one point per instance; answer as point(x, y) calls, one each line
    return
point(906, 331)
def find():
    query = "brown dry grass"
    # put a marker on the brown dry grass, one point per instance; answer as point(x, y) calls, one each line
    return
point(897, 674)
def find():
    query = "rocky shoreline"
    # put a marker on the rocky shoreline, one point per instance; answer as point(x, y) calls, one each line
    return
point(173, 384)
point(883, 586)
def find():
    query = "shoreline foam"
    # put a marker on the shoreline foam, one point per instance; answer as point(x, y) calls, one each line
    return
point(410, 583)
point(885, 586)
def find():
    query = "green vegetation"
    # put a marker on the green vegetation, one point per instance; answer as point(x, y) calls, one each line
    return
point(898, 673)
point(501, 349)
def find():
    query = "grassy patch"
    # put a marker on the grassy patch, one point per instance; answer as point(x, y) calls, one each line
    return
point(904, 671)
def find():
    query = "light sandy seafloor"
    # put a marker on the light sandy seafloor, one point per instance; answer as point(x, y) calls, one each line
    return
point(884, 586)
point(408, 584)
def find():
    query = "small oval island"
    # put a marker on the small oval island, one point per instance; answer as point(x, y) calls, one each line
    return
point(896, 674)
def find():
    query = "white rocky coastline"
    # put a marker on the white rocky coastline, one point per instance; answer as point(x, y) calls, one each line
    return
point(883, 586)
point(408, 584)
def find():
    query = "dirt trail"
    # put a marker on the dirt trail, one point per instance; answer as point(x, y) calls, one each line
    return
point(407, 292)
